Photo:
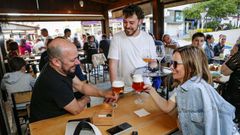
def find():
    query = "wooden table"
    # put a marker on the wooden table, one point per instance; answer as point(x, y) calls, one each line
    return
point(30, 59)
point(221, 79)
point(156, 123)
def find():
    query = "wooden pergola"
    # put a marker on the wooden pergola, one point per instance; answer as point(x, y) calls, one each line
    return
point(72, 10)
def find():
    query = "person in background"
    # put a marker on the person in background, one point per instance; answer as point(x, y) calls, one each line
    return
point(90, 43)
point(67, 34)
point(24, 47)
point(201, 110)
point(198, 39)
point(44, 33)
point(53, 91)
point(98, 37)
point(169, 46)
point(84, 39)
point(220, 46)
point(39, 47)
point(76, 42)
point(208, 47)
point(104, 45)
point(44, 57)
point(232, 67)
point(129, 47)
point(5, 49)
point(159, 44)
point(12, 50)
point(17, 80)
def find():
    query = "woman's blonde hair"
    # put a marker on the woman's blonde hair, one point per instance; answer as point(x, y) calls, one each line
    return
point(195, 63)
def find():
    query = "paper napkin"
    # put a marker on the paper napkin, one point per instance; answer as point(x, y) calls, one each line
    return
point(141, 112)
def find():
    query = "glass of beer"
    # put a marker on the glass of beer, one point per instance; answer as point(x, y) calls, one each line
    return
point(117, 88)
point(137, 85)
point(147, 60)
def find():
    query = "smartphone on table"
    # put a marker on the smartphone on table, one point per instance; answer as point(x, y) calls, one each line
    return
point(117, 130)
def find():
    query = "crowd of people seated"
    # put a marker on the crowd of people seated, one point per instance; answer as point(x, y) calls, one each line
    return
point(200, 108)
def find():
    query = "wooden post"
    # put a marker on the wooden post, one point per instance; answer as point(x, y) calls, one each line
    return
point(158, 18)
point(105, 23)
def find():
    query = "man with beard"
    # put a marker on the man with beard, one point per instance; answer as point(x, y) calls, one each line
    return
point(129, 47)
point(53, 91)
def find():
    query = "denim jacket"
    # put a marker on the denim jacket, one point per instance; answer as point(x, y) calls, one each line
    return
point(202, 111)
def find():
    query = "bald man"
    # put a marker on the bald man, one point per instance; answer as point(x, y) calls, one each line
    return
point(53, 91)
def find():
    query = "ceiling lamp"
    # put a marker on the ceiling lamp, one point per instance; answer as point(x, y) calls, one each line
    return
point(81, 3)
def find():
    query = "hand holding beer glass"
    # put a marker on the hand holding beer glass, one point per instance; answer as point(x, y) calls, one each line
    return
point(137, 85)
point(117, 88)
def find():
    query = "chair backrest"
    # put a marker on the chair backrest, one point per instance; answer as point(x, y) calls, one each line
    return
point(98, 59)
point(21, 97)
point(20, 102)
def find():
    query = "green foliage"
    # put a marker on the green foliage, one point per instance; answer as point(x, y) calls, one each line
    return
point(217, 9)
point(205, 30)
point(213, 25)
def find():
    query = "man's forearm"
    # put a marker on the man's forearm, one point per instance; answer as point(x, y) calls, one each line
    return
point(113, 69)
point(91, 90)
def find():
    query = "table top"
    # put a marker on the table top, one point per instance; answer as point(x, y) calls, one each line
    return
point(218, 58)
point(35, 58)
point(147, 73)
point(157, 122)
point(221, 79)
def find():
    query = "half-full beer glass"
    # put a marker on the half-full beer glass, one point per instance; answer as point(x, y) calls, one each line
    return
point(137, 85)
point(117, 88)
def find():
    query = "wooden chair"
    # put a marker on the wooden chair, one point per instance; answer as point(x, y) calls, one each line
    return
point(20, 101)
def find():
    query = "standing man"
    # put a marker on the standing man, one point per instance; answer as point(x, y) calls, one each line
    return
point(129, 47)
point(44, 33)
point(67, 34)
point(104, 45)
point(53, 91)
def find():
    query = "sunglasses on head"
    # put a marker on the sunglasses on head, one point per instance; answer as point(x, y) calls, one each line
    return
point(175, 63)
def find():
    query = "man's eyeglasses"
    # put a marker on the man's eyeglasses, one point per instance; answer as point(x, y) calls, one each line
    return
point(175, 63)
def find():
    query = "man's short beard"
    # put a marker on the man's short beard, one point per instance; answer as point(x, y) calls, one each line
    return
point(71, 75)
point(132, 33)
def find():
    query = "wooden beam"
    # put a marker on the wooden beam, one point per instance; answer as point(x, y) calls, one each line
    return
point(105, 24)
point(52, 7)
point(158, 18)
point(80, 11)
point(175, 3)
point(50, 18)
point(122, 3)
point(101, 1)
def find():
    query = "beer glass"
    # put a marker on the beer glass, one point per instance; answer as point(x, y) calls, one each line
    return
point(137, 85)
point(117, 88)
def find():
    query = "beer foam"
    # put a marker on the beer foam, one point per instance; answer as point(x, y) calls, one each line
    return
point(137, 78)
point(118, 84)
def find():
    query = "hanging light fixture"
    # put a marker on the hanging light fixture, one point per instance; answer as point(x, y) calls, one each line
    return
point(81, 3)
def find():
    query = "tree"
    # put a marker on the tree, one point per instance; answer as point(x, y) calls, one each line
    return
point(217, 9)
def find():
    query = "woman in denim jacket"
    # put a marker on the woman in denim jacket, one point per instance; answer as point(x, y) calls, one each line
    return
point(201, 110)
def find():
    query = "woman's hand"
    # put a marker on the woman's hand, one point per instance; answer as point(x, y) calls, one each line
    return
point(148, 88)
